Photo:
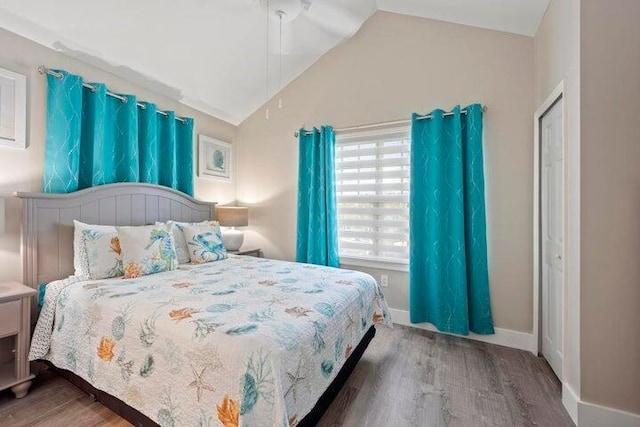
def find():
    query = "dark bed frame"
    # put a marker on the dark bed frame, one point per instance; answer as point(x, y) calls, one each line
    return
point(48, 223)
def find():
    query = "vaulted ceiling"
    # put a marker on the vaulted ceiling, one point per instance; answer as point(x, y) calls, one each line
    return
point(210, 54)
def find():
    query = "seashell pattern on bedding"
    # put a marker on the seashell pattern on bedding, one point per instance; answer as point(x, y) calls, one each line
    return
point(241, 341)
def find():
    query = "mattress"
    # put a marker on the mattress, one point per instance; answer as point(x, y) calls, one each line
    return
point(244, 341)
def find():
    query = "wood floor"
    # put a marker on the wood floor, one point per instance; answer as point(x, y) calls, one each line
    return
point(407, 377)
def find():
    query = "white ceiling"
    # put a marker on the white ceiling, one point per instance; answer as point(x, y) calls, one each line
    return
point(512, 16)
point(210, 54)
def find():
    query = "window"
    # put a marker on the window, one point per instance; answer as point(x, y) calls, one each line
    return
point(372, 184)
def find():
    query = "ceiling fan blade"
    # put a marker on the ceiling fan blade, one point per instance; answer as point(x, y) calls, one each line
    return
point(320, 20)
point(339, 19)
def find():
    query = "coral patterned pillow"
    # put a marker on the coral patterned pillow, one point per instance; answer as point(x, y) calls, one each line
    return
point(204, 242)
point(147, 250)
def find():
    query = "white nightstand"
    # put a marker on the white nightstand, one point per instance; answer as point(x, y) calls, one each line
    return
point(15, 326)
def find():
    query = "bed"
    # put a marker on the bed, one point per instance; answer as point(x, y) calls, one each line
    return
point(242, 341)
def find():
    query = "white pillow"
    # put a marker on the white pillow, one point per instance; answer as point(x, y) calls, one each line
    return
point(204, 242)
point(178, 238)
point(178, 241)
point(104, 258)
point(147, 250)
point(96, 251)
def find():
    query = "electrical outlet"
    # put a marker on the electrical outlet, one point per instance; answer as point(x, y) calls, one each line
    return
point(384, 280)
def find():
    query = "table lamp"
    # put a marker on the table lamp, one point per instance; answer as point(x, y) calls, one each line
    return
point(232, 216)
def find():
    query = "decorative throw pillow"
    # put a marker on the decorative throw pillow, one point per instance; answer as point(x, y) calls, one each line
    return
point(178, 238)
point(104, 252)
point(204, 242)
point(147, 250)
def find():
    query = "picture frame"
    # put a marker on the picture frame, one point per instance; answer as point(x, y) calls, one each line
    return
point(215, 158)
point(13, 109)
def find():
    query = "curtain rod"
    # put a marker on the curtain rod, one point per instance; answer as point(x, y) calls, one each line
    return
point(43, 70)
point(393, 123)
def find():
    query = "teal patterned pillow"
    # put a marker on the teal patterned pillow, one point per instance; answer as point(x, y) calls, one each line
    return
point(101, 255)
point(80, 256)
point(204, 242)
point(178, 237)
point(178, 241)
point(147, 250)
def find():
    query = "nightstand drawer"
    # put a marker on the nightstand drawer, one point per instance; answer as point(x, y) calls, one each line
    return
point(9, 318)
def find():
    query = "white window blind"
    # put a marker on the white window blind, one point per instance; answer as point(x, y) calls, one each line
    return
point(372, 184)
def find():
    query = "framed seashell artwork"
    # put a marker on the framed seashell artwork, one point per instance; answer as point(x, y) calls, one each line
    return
point(215, 158)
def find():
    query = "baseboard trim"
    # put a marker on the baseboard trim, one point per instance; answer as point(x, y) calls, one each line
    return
point(586, 414)
point(592, 415)
point(504, 337)
point(570, 401)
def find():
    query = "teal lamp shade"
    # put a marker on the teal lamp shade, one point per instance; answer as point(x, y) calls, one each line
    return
point(232, 216)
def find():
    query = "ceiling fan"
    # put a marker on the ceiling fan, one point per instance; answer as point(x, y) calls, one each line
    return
point(333, 17)
point(288, 10)
point(330, 17)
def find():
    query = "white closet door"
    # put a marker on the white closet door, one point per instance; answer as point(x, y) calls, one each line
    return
point(552, 228)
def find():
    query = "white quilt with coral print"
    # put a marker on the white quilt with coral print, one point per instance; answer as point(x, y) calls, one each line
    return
point(240, 342)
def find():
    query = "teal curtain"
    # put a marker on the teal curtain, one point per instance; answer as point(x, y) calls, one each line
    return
point(96, 139)
point(62, 147)
point(148, 143)
point(184, 156)
point(317, 233)
point(448, 273)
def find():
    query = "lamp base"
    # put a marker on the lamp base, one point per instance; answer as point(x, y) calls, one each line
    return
point(232, 239)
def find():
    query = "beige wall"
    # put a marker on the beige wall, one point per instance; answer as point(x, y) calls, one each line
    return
point(557, 47)
point(21, 170)
point(394, 66)
point(557, 59)
point(610, 294)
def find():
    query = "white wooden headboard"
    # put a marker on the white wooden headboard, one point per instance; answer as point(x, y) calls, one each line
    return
point(47, 223)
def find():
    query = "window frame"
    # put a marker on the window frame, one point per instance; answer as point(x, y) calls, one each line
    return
point(378, 135)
